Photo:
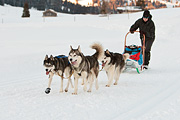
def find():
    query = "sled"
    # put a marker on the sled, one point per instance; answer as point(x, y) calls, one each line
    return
point(136, 58)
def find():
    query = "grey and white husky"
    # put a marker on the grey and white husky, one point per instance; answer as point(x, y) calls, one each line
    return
point(113, 64)
point(57, 66)
point(85, 67)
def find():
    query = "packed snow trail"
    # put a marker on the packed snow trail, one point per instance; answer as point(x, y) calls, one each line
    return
point(152, 95)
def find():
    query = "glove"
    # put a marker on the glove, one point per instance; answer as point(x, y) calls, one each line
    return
point(132, 32)
point(142, 32)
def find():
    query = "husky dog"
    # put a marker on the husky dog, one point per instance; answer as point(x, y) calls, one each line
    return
point(113, 64)
point(58, 65)
point(85, 67)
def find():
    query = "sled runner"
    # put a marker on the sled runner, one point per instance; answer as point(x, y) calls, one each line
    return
point(136, 58)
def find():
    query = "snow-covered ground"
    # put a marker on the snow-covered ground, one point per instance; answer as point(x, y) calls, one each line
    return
point(24, 42)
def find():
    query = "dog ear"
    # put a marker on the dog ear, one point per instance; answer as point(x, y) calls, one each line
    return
point(71, 47)
point(79, 49)
point(107, 52)
point(51, 57)
point(46, 57)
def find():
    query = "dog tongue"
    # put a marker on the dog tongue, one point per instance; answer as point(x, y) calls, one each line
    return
point(47, 73)
point(103, 64)
point(73, 62)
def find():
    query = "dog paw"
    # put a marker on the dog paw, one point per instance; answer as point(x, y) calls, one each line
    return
point(47, 91)
point(74, 93)
point(97, 87)
point(82, 83)
point(115, 83)
point(107, 85)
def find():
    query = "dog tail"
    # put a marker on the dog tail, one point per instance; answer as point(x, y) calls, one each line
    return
point(99, 50)
point(126, 56)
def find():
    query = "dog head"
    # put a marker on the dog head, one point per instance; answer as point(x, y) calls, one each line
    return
point(75, 56)
point(106, 59)
point(49, 64)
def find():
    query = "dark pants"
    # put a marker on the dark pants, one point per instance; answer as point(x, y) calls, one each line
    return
point(148, 45)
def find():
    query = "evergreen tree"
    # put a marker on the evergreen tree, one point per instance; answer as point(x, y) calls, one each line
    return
point(26, 10)
point(2, 2)
point(58, 5)
point(41, 4)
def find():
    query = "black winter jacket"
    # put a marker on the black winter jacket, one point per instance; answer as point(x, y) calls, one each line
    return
point(147, 28)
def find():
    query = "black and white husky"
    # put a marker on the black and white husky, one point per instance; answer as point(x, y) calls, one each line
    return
point(113, 64)
point(85, 67)
point(57, 66)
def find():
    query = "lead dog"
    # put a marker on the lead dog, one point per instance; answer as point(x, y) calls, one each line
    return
point(113, 64)
point(85, 67)
point(58, 65)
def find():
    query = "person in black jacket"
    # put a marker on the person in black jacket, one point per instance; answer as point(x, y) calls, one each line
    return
point(146, 26)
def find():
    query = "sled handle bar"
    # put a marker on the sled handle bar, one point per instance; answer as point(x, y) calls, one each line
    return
point(130, 32)
point(143, 47)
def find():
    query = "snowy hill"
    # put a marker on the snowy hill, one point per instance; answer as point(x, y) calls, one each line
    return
point(152, 95)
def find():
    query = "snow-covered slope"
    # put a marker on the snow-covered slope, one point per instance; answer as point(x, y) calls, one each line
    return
point(152, 95)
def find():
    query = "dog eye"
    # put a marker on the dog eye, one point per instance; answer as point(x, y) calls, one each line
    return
point(74, 55)
point(105, 58)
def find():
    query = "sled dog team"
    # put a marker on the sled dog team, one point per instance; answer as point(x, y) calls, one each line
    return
point(85, 67)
